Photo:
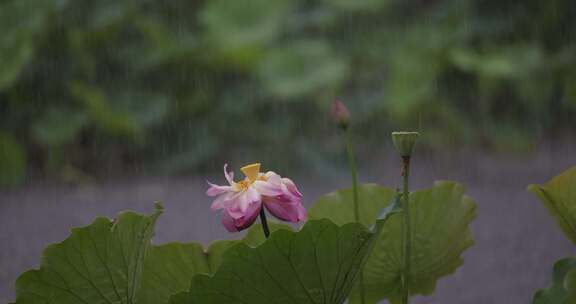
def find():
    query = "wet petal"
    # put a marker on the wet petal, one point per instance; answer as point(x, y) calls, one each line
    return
point(228, 222)
point(229, 175)
point(252, 195)
point(267, 188)
point(285, 208)
point(217, 190)
point(249, 216)
point(234, 205)
point(222, 201)
point(272, 177)
point(291, 187)
point(241, 202)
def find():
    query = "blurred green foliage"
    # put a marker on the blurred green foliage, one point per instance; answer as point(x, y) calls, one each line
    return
point(108, 85)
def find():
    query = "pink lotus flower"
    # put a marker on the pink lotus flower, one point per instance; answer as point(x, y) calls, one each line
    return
point(242, 201)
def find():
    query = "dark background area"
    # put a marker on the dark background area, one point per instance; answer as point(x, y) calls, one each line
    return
point(108, 105)
point(93, 89)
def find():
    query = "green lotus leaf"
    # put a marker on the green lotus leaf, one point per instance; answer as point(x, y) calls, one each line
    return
point(99, 263)
point(338, 207)
point(59, 126)
point(12, 160)
point(114, 262)
point(563, 289)
point(503, 62)
point(358, 5)
point(22, 23)
point(129, 112)
point(169, 268)
point(317, 264)
point(440, 219)
point(242, 23)
point(301, 68)
point(100, 110)
point(255, 236)
point(559, 197)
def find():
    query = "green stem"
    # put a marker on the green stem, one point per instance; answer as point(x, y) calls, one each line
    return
point(354, 172)
point(264, 222)
point(406, 229)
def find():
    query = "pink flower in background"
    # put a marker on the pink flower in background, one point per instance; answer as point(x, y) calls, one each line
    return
point(242, 201)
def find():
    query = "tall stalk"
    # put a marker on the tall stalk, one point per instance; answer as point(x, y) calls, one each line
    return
point(354, 173)
point(341, 116)
point(406, 228)
point(404, 144)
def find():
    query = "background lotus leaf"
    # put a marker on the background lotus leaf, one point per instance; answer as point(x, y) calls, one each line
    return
point(441, 216)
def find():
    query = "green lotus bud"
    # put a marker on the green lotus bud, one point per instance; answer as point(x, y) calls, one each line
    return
point(404, 142)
